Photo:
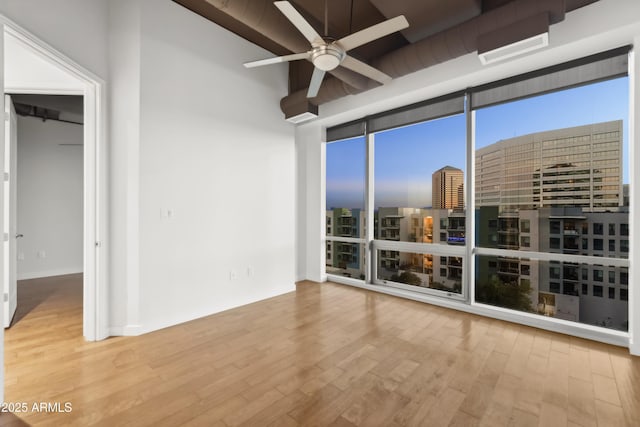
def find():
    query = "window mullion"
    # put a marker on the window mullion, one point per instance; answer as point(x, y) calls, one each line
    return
point(369, 206)
point(468, 287)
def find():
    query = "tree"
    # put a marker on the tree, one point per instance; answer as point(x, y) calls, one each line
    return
point(407, 277)
point(508, 295)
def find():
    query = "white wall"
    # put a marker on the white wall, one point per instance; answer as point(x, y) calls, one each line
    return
point(49, 198)
point(192, 131)
point(78, 28)
point(124, 131)
point(216, 152)
point(196, 134)
point(311, 226)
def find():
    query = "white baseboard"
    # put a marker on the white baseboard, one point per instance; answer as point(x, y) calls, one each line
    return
point(135, 330)
point(49, 273)
point(125, 331)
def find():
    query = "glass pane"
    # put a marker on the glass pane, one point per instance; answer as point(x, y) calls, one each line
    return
point(421, 270)
point(552, 176)
point(552, 230)
point(570, 291)
point(346, 259)
point(419, 196)
point(346, 174)
point(552, 172)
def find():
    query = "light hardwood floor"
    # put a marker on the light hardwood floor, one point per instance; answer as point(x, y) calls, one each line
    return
point(324, 355)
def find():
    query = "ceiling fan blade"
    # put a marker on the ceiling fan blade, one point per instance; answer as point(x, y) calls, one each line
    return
point(365, 69)
point(299, 22)
point(374, 32)
point(277, 59)
point(316, 81)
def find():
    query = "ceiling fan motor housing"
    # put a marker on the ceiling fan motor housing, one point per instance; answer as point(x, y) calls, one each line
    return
point(327, 57)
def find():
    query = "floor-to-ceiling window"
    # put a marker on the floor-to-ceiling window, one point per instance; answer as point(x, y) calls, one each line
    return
point(552, 179)
point(511, 195)
point(346, 220)
point(419, 205)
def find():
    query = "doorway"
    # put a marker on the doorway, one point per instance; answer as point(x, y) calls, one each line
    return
point(43, 201)
point(31, 66)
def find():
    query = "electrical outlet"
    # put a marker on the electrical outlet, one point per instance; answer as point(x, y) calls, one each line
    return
point(233, 275)
point(249, 271)
point(42, 254)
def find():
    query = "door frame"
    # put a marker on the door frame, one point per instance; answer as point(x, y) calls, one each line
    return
point(95, 212)
point(10, 210)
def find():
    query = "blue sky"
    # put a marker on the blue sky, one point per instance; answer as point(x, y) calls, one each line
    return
point(405, 158)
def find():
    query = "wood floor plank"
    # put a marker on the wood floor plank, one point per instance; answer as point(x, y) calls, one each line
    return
point(581, 403)
point(325, 355)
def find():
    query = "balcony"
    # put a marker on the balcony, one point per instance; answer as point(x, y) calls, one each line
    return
point(509, 271)
point(571, 232)
point(455, 262)
point(346, 221)
point(389, 255)
point(389, 236)
point(345, 231)
point(348, 249)
point(390, 226)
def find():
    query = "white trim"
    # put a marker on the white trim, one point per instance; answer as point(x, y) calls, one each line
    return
point(469, 277)
point(581, 330)
point(50, 273)
point(26, 89)
point(550, 256)
point(322, 255)
point(371, 268)
point(344, 239)
point(634, 206)
point(95, 291)
point(125, 331)
point(427, 291)
point(419, 248)
point(132, 330)
point(344, 280)
point(2, 149)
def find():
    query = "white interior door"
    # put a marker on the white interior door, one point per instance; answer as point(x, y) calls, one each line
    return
point(10, 211)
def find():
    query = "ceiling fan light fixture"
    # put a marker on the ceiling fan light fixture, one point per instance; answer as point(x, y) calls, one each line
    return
point(327, 54)
point(327, 57)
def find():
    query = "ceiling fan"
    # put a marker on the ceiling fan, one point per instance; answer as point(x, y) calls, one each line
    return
point(327, 54)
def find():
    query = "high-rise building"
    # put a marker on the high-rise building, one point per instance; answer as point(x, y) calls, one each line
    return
point(579, 166)
point(447, 188)
point(558, 191)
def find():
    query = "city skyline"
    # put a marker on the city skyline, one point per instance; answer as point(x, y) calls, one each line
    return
point(551, 192)
point(405, 160)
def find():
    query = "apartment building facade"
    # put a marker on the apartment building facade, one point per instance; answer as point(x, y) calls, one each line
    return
point(561, 192)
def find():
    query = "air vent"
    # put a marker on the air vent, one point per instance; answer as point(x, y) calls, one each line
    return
point(301, 118)
point(515, 49)
point(515, 39)
point(303, 112)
